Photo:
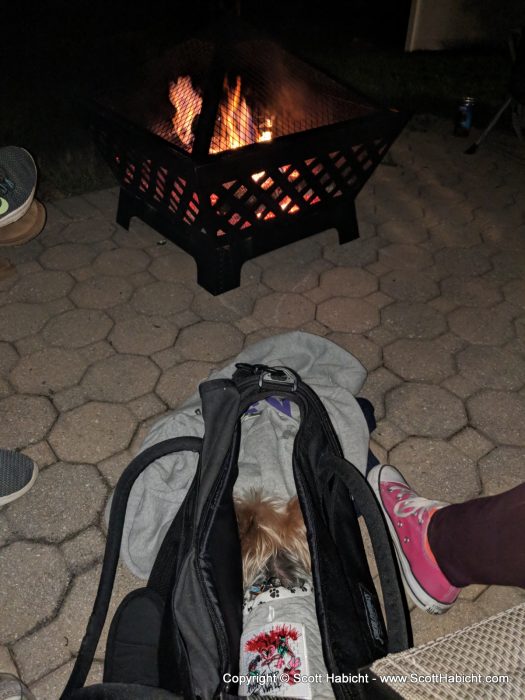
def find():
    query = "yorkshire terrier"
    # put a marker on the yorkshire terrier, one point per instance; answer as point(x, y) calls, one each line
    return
point(273, 540)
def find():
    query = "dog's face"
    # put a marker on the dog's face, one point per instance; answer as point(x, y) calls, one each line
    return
point(273, 539)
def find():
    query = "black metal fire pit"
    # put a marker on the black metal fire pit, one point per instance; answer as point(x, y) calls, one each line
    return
point(234, 147)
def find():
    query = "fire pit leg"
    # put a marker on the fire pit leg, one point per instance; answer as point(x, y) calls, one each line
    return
point(125, 209)
point(218, 269)
point(346, 224)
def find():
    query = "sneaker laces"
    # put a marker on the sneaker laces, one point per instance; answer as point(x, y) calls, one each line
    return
point(412, 504)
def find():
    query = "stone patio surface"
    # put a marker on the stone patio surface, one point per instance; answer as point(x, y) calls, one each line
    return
point(103, 330)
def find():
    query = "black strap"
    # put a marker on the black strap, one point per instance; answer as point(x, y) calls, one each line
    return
point(399, 637)
point(111, 555)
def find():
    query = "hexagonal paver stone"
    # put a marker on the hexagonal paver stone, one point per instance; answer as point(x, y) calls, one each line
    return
point(284, 310)
point(406, 209)
point(377, 384)
point(39, 653)
point(426, 410)
point(508, 265)
point(301, 252)
point(48, 371)
point(290, 277)
point(420, 360)
point(492, 368)
point(139, 235)
point(505, 237)
point(409, 285)
point(482, 326)
point(143, 335)
point(52, 684)
point(41, 286)
point(67, 256)
point(398, 255)
point(101, 292)
point(6, 662)
point(175, 266)
point(367, 352)
point(34, 579)
point(358, 253)
point(85, 549)
point(8, 358)
point(347, 314)
point(461, 262)
point(180, 382)
point(435, 469)
point(162, 298)
point(210, 341)
point(76, 609)
point(502, 469)
point(90, 231)
point(401, 232)
point(348, 282)
point(24, 420)
point(122, 262)
point(19, 320)
point(120, 378)
point(413, 320)
point(65, 499)
point(230, 306)
point(471, 291)
point(455, 236)
point(499, 415)
point(92, 432)
point(515, 292)
point(77, 328)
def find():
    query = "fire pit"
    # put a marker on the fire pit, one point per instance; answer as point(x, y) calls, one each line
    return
point(234, 147)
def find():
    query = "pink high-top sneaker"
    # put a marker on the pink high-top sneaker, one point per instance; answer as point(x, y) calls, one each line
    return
point(408, 516)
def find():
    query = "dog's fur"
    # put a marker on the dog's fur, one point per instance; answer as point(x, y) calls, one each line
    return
point(273, 539)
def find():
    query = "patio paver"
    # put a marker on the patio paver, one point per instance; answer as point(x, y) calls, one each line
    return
point(103, 330)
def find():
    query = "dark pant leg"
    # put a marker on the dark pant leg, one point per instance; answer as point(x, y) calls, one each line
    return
point(482, 541)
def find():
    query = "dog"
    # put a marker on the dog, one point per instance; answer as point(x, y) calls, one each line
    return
point(279, 614)
point(273, 540)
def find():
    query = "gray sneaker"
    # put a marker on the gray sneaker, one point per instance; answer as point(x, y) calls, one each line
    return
point(13, 689)
point(17, 476)
point(17, 183)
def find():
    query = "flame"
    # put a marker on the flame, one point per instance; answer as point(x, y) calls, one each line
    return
point(235, 124)
point(187, 103)
point(235, 128)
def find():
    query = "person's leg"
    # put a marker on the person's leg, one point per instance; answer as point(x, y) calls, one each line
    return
point(481, 541)
point(442, 547)
point(407, 516)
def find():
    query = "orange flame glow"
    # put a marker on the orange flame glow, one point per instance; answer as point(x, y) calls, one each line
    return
point(235, 125)
point(187, 103)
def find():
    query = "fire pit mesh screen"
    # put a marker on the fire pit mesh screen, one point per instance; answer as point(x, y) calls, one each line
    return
point(274, 94)
point(263, 92)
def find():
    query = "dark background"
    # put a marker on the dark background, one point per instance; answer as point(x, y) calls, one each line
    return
point(54, 50)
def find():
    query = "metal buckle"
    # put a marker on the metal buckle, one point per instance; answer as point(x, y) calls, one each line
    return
point(278, 376)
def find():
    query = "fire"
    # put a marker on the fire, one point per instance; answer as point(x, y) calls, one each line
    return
point(187, 103)
point(236, 126)
point(235, 123)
